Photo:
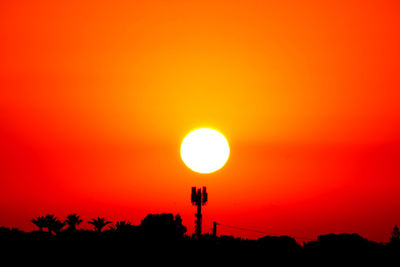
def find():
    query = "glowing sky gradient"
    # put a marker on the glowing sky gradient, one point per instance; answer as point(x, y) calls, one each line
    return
point(96, 97)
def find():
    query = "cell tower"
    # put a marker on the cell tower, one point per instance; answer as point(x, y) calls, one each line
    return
point(199, 199)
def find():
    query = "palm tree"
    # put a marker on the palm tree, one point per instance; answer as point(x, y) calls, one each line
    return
point(50, 222)
point(122, 226)
point(58, 226)
point(53, 224)
point(73, 221)
point(39, 222)
point(99, 223)
point(395, 235)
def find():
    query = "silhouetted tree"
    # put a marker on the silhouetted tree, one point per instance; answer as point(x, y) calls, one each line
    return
point(49, 222)
point(40, 222)
point(342, 243)
point(162, 226)
point(278, 243)
point(58, 226)
point(122, 226)
point(181, 229)
point(99, 223)
point(73, 221)
point(53, 224)
point(395, 238)
point(395, 233)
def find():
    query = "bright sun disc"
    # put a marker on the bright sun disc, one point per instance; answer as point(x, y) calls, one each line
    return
point(205, 150)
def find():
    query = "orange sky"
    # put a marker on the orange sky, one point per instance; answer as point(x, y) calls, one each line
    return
point(96, 96)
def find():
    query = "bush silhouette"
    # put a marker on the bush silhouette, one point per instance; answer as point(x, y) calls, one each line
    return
point(162, 226)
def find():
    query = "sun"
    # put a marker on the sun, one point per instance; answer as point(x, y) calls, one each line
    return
point(205, 150)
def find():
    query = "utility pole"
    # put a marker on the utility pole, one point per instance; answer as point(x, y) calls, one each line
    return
point(199, 198)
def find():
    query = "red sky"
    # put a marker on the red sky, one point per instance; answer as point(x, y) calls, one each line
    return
point(96, 96)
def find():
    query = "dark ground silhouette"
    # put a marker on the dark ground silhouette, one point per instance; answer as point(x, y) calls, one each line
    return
point(164, 234)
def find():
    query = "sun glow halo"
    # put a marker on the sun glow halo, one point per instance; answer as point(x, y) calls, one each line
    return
point(205, 150)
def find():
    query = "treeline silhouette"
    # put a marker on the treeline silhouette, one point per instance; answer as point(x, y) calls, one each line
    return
point(165, 232)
